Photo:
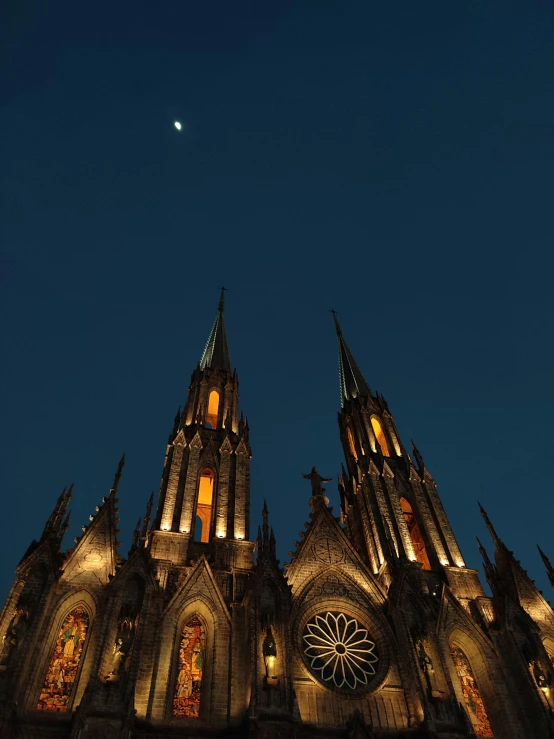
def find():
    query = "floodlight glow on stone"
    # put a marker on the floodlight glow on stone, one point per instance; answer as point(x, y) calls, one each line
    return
point(178, 125)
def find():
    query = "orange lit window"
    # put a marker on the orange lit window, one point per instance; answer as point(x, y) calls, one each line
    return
point(415, 534)
point(205, 503)
point(213, 409)
point(380, 435)
point(351, 443)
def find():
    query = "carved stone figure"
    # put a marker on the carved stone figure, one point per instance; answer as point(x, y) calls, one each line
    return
point(269, 651)
point(118, 657)
point(425, 661)
point(315, 478)
point(14, 636)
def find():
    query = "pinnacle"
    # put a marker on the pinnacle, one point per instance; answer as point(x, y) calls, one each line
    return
point(216, 354)
point(494, 535)
point(352, 381)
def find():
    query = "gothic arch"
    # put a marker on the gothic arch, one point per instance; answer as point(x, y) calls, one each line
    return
point(478, 677)
point(380, 432)
point(212, 412)
point(206, 500)
point(217, 635)
point(81, 600)
point(417, 536)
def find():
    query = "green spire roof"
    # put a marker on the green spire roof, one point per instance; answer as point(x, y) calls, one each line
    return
point(352, 382)
point(216, 353)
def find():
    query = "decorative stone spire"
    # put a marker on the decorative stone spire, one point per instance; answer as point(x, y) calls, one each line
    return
point(352, 381)
point(54, 527)
point(497, 540)
point(548, 565)
point(117, 477)
point(216, 354)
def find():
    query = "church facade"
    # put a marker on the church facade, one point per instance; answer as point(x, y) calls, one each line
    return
point(375, 628)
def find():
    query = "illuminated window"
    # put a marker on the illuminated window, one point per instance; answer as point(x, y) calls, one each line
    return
point(380, 435)
point(213, 409)
point(472, 695)
point(62, 671)
point(351, 442)
point(186, 701)
point(205, 504)
point(415, 534)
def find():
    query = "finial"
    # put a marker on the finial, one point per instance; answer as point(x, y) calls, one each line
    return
point(117, 477)
point(177, 421)
point(265, 528)
point(417, 455)
point(65, 525)
point(222, 298)
point(490, 527)
point(548, 565)
point(136, 535)
point(148, 515)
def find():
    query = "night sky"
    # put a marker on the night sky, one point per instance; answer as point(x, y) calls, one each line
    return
point(392, 160)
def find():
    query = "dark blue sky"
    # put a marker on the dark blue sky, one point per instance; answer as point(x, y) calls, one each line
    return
point(391, 160)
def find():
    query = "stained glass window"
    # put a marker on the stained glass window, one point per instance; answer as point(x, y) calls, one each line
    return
point(186, 701)
point(472, 695)
point(62, 670)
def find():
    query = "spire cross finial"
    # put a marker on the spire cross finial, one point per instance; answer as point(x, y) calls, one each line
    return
point(222, 298)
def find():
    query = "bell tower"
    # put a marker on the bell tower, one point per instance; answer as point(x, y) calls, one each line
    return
point(205, 489)
point(390, 506)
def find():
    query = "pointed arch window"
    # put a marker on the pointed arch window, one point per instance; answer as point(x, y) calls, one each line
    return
point(380, 435)
point(351, 444)
point(61, 675)
point(472, 695)
point(205, 504)
point(190, 670)
point(415, 534)
point(213, 409)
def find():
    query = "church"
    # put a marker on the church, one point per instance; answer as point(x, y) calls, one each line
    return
point(375, 628)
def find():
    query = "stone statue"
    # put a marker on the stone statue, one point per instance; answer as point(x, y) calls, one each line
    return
point(316, 480)
point(9, 643)
point(14, 636)
point(425, 661)
point(118, 657)
point(539, 675)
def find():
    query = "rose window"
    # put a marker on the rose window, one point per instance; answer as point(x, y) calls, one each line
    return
point(339, 650)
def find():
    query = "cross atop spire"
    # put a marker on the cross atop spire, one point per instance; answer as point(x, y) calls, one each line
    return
point(216, 353)
point(352, 382)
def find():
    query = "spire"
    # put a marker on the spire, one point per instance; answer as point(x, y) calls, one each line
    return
point(55, 524)
point(352, 382)
point(216, 353)
point(265, 518)
point(548, 565)
point(495, 537)
point(417, 455)
point(117, 476)
point(147, 517)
